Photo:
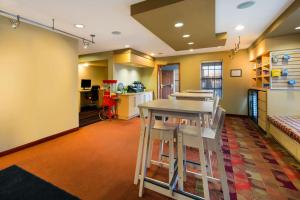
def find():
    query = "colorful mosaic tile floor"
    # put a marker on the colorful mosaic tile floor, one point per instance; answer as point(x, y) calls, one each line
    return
point(257, 167)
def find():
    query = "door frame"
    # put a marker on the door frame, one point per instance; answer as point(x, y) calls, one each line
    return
point(159, 66)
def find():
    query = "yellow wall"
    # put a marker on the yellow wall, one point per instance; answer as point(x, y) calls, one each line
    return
point(108, 55)
point(94, 73)
point(274, 44)
point(38, 84)
point(234, 89)
point(123, 73)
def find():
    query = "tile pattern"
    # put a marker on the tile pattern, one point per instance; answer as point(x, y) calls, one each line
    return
point(257, 167)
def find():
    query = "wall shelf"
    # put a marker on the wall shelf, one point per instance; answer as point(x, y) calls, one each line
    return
point(261, 71)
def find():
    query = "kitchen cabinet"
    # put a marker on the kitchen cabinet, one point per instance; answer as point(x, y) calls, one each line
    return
point(128, 104)
point(262, 109)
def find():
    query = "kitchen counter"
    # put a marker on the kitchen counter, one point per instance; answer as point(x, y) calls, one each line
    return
point(134, 93)
point(128, 103)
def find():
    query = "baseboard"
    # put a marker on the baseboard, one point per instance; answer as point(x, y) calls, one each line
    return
point(236, 115)
point(51, 137)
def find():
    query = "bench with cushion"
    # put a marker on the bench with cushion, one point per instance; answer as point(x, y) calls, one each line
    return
point(286, 130)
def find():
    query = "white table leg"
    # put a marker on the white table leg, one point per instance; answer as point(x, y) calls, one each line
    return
point(221, 167)
point(171, 157)
point(144, 158)
point(184, 163)
point(140, 152)
point(180, 160)
point(161, 150)
point(208, 158)
point(203, 160)
point(150, 151)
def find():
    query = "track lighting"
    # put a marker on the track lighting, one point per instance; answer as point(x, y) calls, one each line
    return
point(236, 48)
point(15, 22)
point(86, 44)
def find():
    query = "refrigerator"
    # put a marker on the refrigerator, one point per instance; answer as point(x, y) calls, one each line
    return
point(253, 105)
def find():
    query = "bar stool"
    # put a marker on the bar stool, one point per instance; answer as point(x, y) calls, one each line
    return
point(189, 136)
point(162, 131)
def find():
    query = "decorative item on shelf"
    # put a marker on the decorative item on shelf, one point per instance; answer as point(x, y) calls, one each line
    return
point(276, 72)
point(266, 85)
point(292, 82)
point(284, 71)
point(274, 59)
point(285, 58)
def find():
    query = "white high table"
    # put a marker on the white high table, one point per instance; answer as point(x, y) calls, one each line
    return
point(182, 109)
point(192, 96)
point(199, 91)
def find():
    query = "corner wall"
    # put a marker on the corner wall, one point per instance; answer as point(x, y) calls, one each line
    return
point(38, 84)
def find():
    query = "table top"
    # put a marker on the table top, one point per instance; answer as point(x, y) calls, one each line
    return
point(182, 106)
point(199, 91)
point(192, 95)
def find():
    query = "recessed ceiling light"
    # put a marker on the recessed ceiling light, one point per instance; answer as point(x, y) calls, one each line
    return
point(79, 25)
point(239, 27)
point(152, 54)
point(191, 49)
point(178, 24)
point(219, 46)
point(246, 4)
point(116, 33)
point(297, 28)
point(190, 43)
point(127, 46)
point(186, 36)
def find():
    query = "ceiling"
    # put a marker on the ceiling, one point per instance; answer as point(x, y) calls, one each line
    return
point(101, 17)
point(288, 26)
point(95, 63)
point(198, 18)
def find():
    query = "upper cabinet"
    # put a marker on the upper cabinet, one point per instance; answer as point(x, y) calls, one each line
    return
point(133, 58)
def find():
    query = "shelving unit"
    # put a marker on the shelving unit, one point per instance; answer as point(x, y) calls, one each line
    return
point(261, 71)
point(261, 84)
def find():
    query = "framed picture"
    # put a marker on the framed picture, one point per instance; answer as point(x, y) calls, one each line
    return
point(236, 73)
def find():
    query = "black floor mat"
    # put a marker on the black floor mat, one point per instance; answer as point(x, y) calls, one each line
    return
point(18, 184)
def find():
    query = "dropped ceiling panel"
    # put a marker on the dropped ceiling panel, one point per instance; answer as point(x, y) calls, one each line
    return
point(198, 17)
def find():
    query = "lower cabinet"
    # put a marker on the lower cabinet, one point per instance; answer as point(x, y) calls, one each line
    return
point(262, 110)
point(128, 104)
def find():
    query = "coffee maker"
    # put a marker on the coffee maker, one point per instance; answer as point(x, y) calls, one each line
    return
point(135, 87)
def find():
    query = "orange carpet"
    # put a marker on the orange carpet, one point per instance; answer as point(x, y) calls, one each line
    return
point(96, 162)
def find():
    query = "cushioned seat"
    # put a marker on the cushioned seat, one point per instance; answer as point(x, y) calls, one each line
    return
point(290, 125)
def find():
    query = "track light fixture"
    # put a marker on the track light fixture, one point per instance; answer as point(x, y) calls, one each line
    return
point(15, 23)
point(236, 48)
point(86, 43)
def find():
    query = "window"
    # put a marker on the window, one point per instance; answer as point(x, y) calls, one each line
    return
point(211, 77)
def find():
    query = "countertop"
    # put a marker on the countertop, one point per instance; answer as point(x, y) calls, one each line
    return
point(133, 93)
